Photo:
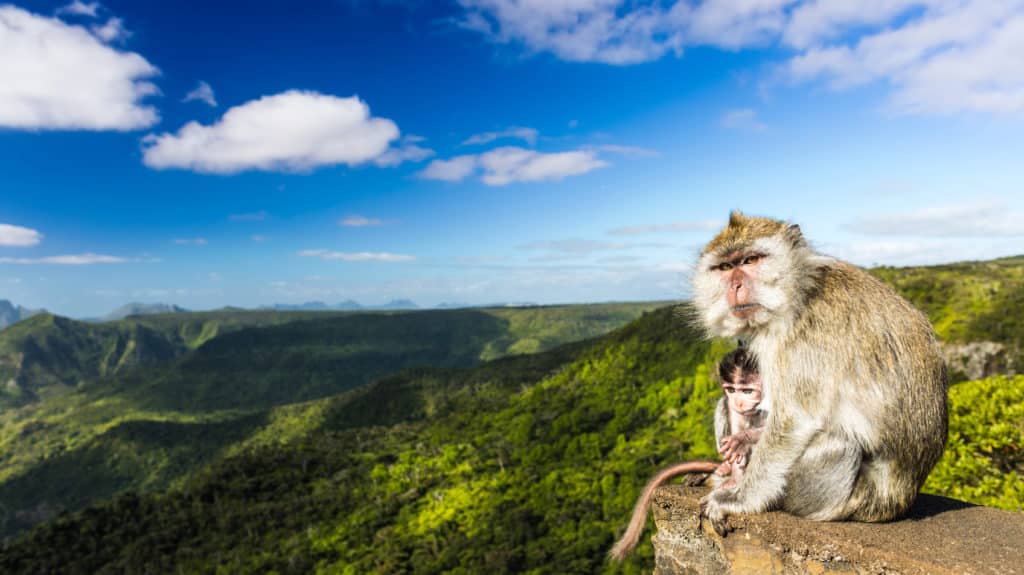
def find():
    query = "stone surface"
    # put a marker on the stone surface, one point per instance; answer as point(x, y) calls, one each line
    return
point(939, 536)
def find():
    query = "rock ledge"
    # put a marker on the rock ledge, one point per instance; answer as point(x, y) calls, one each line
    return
point(939, 536)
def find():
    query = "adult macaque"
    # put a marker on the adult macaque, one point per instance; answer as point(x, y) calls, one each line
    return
point(855, 388)
point(738, 423)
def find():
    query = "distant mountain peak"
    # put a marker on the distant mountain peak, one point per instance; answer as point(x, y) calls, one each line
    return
point(10, 313)
point(137, 308)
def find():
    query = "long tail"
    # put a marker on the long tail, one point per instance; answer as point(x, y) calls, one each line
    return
point(628, 541)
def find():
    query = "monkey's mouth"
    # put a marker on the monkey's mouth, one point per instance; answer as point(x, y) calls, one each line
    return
point(745, 310)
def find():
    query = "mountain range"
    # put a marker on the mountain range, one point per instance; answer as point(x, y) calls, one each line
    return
point(461, 441)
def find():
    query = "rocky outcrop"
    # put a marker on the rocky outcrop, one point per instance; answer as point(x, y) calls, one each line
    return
point(978, 359)
point(939, 536)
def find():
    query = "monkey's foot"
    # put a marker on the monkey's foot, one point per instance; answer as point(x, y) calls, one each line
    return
point(696, 479)
point(711, 510)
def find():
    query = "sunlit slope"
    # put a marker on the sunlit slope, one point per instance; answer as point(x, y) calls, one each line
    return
point(526, 463)
point(146, 425)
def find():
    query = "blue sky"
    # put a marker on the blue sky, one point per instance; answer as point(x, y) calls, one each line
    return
point(476, 151)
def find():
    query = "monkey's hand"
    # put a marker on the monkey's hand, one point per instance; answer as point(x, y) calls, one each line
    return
point(712, 508)
point(735, 447)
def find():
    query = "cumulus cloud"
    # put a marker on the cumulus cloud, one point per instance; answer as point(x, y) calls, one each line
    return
point(294, 131)
point(451, 170)
point(508, 164)
point(938, 56)
point(356, 256)
point(18, 236)
point(518, 132)
point(578, 31)
point(405, 152)
point(202, 93)
point(359, 222)
point(743, 119)
point(62, 77)
point(675, 227)
point(954, 57)
point(976, 220)
point(70, 260)
point(511, 164)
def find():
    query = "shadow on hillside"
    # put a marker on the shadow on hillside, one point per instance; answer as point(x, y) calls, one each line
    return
point(137, 455)
point(311, 359)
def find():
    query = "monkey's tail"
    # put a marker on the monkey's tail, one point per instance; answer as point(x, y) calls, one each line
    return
point(628, 541)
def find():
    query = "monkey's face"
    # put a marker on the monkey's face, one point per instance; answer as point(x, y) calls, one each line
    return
point(736, 290)
point(745, 278)
point(744, 392)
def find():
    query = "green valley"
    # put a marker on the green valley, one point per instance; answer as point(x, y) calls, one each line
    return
point(265, 450)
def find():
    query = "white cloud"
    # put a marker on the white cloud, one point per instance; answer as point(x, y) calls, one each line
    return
point(359, 222)
point(937, 56)
point(512, 164)
point(578, 30)
point(984, 220)
point(293, 131)
point(71, 260)
point(953, 57)
point(732, 24)
point(508, 164)
point(924, 251)
point(519, 132)
point(191, 241)
point(60, 77)
point(743, 119)
point(812, 23)
point(406, 152)
point(112, 31)
point(202, 93)
point(18, 236)
point(451, 170)
point(675, 227)
point(79, 8)
point(356, 256)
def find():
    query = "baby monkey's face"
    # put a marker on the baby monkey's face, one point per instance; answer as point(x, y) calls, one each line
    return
point(743, 391)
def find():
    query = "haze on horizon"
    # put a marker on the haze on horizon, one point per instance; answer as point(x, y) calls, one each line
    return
point(479, 151)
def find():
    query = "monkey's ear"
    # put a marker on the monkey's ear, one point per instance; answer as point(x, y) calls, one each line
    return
point(795, 230)
point(736, 218)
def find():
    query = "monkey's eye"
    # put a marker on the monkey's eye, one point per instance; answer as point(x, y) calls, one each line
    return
point(752, 259)
point(724, 266)
point(748, 391)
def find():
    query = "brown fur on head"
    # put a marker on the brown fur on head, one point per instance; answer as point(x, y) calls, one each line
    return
point(743, 230)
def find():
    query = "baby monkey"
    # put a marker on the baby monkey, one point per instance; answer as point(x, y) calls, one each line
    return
point(739, 421)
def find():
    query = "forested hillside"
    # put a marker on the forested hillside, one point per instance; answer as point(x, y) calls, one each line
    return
point(527, 463)
point(144, 402)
